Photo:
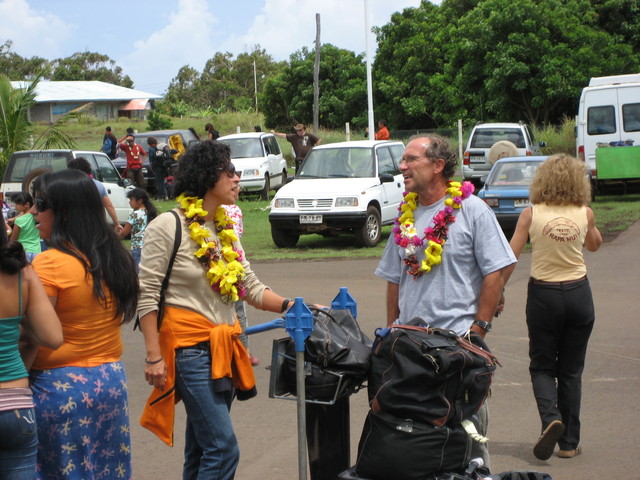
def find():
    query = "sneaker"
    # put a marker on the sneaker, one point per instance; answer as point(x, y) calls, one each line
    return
point(547, 442)
point(569, 453)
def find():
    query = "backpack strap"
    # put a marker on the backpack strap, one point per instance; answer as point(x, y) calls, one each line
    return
point(165, 282)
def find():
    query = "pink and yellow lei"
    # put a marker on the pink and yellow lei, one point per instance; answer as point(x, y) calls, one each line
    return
point(406, 236)
point(221, 261)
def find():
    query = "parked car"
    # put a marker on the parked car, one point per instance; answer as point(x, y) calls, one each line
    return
point(350, 187)
point(27, 165)
point(476, 164)
point(259, 160)
point(187, 138)
point(506, 189)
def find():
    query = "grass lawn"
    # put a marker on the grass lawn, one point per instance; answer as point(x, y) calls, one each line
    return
point(614, 214)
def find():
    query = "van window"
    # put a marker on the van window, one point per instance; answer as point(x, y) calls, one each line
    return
point(23, 163)
point(386, 163)
point(106, 172)
point(601, 120)
point(631, 117)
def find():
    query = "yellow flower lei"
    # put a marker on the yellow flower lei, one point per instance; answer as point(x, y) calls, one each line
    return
point(225, 273)
point(406, 236)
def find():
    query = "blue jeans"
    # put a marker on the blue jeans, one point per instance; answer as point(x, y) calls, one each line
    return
point(211, 449)
point(136, 254)
point(18, 444)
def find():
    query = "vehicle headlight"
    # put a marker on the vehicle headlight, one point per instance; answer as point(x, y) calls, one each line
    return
point(283, 203)
point(251, 172)
point(347, 202)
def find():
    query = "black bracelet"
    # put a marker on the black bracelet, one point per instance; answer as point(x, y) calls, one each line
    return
point(152, 363)
point(285, 305)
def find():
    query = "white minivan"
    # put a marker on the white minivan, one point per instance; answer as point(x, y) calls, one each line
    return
point(608, 114)
point(27, 165)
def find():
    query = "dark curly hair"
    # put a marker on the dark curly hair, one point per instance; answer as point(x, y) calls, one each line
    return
point(200, 168)
point(12, 257)
point(439, 147)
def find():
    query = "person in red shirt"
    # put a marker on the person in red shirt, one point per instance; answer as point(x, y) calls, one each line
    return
point(383, 132)
point(135, 157)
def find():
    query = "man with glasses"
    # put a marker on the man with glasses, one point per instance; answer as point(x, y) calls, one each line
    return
point(463, 291)
point(135, 154)
point(301, 142)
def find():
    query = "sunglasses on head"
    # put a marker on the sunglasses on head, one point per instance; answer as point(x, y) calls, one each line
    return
point(41, 204)
point(230, 170)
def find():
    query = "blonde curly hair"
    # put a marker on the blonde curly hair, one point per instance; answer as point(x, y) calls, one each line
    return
point(561, 180)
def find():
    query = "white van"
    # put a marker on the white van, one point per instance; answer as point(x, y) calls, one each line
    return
point(609, 112)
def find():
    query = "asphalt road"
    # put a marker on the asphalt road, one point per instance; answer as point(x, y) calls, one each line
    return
point(267, 431)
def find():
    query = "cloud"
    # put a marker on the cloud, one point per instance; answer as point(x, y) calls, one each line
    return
point(282, 27)
point(34, 33)
point(185, 40)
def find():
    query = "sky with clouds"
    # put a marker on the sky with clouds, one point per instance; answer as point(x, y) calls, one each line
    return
point(151, 40)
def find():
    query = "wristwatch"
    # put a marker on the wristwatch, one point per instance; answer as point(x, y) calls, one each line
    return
point(486, 326)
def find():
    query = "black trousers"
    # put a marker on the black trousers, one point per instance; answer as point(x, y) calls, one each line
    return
point(560, 319)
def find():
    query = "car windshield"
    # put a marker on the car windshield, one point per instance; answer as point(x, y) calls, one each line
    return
point(28, 161)
point(513, 173)
point(486, 137)
point(338, 163)
point(244, 147)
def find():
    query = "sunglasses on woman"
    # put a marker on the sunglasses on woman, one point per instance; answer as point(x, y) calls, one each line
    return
point(41, 204)
point(229, 169)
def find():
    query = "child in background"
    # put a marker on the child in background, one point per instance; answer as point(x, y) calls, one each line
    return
point(143, 212)
point(235, 214)
point(24, 226)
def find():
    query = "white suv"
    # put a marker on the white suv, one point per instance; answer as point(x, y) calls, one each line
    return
point(475, 163)
point(27, 165)
point(348, 187)
point(259, 161)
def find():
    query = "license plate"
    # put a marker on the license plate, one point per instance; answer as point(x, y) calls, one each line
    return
point(521, 203)
point(476, 159)
point(310, 218)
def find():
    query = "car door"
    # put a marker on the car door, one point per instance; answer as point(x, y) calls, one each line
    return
point(274, 155)
point(387, 161)
point(105, 172)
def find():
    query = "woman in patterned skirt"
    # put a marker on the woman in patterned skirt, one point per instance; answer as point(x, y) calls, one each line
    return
point(80, 390)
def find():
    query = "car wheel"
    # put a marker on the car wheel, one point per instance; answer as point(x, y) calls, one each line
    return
point(27, 183)
point(284, 238)
point(264, 193)
point(370, 233)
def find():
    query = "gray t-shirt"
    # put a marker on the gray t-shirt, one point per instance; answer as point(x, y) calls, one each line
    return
point(447, 296)
point(102, 190)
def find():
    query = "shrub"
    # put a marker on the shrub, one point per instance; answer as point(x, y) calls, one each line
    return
point(158, 122)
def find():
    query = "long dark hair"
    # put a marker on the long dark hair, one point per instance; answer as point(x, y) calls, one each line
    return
point(12, 257)
point(140, 194)
point(81, 230)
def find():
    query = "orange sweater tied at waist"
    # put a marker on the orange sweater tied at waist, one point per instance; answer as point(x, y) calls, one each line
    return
point(229, 359)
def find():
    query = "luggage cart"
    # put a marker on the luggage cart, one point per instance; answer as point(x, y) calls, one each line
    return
point(323, 426)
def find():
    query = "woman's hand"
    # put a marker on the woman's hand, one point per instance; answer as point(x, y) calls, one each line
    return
point(155, 373)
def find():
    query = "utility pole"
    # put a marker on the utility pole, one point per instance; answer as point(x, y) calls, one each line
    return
point(369, 80)
point(255, 83)
point(316, 79)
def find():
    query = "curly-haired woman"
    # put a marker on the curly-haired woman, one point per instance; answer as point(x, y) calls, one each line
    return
point(197, 355)
point(560, 312)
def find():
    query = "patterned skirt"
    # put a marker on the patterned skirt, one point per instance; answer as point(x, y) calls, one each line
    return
point(82, 415)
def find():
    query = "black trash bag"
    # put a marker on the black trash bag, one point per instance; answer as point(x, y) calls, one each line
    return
point(337, 354)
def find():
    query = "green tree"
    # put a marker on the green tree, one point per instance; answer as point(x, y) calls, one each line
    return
point(90, 66)
point(15, 127)
point(19, 68)
point(288, 97)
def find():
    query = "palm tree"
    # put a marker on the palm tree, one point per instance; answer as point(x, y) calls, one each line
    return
point(16, 128)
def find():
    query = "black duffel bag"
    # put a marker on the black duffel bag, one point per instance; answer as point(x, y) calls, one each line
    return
point(337, 354)
point(429, 375)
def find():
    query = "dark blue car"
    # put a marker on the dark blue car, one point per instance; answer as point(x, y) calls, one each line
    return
point(506, 189)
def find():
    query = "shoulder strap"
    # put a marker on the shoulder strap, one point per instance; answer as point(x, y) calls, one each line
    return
point(165, 283)
point(20, 293)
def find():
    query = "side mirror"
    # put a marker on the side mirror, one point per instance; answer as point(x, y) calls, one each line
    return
point(289, 179)
point(542, 144)
point(124, 182)
point(386, 178)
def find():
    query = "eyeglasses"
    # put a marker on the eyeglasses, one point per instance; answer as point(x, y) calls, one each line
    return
point(409, 159)
point(41, 204)
point(229, 169)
